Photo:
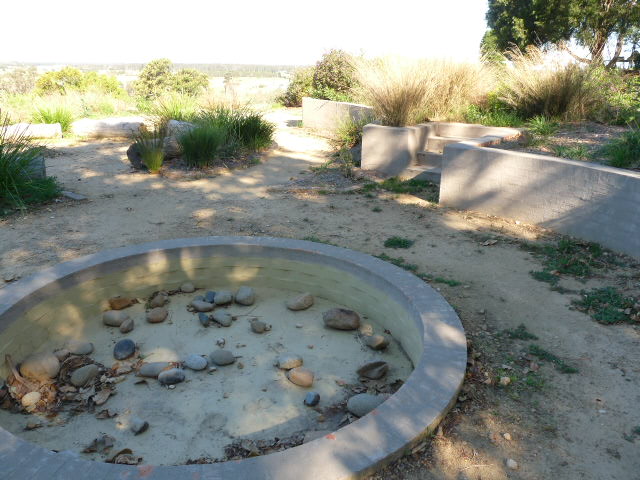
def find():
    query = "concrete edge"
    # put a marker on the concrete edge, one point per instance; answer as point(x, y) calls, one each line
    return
point(404, 419)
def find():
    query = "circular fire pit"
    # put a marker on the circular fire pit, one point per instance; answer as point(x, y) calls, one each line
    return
point(53, 305)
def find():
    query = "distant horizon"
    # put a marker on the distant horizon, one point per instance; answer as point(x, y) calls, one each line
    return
point(280, 32)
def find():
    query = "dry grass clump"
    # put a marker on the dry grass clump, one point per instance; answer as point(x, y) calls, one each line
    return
point(405, 92)
point(538, 83)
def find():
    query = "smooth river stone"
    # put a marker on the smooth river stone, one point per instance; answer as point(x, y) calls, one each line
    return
point(376, 342)
point(210, 296)
point(118, 303)
point(203, 318)
point(138, 425)
point(157, 315)
point(114, 318)
point(195, 362)
point(363, 403)
point(223, 318)
point(374, 370)
point(201, 306)
point(126, 326)
point(30, 400)
point(300, 376)
point(223, 297)
point(40, 366)
point(301, 302)
point(341, 319)
point(287, 361)
point(222, 357)
point(84, 375)
point(312, 399)
point(187, 287)
point(159, 300)
point(152, 369)
point(124, 349)
point(245, 296)
point(79, 347)
point(258, 326)
point(171, 376)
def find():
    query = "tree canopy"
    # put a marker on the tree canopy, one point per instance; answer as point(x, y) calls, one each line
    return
point(157, 77)
point(592, 24)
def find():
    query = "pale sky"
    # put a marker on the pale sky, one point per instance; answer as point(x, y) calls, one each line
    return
point(236, 31)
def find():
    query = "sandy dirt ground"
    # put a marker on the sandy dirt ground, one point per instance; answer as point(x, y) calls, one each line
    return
point(578, 426)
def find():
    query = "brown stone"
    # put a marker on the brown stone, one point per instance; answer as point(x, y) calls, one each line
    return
point(300, 376)
point(157, 315)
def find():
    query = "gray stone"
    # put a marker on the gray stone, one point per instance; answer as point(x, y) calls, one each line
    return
point(171, 376)
point(210, 296)
point(301, 302)
point(157, 315)
point(127, 326)
point(187, 287)
point(134, 154)
point(376, 342)
point(138, 425)
point(201, 306)
point(159, 300)
point(223, 318)
point(62, 354)
point(203, 318)
point(341, 319)
point(245, 296)
point(374, 370)
point(222, 357)
point(199, 298)
point(223, 297)
point(114, 318)
point(363, 403)
point(40, 366)
point(300, 376)
point(84, 375)
point(73, 195)
point(287, 361)
point(312, 399)
point(258, 326)
point(124, 349)
point(152, 369)
point(79, 347)
point(195, 362)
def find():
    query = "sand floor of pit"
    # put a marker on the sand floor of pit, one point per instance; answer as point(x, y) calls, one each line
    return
point(208, 411)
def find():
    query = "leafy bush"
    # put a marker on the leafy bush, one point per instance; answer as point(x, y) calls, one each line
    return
point(492, 112)
point(334, 75)
point(156, 78)
point(201, 144)
point(301, 85)
point(58, 114)
point(624, 151)
point(18, 186)
point(622, 92)
point(536, 85)
point(71, 79)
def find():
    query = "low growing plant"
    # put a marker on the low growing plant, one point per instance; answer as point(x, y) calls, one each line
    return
point(58, 114)
point(624, 151)
point(19, 186)
point(398, 242)
point(606, 305)
point(201, 144)
point(151, 149)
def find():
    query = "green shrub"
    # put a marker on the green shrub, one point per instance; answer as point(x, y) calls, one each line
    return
point(492, 113)
point(348, 133)
point(334, 74)
point(71, 79)
point(18, 188)
point(533, 85)
point(60, 115)
point(189, 81)
point(243, 127)
point(624, 152)
point(151, 149)
point(541, 126)
point(157, 78)
point(201, 144)
point(622, 98)
point(301, 85)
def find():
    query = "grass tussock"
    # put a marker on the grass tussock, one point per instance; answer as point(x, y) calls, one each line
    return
point(535, 83)
point(151, 149)
point(55, 114)
point(20, 184)
point(406, 92)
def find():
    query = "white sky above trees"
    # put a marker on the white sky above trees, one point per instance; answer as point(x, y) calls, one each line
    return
point(236, 31)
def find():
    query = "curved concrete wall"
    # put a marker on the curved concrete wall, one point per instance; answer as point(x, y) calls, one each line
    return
point(325, 116)
point(598, 203)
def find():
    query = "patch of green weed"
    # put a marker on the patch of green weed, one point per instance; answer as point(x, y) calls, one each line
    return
point(606, 305)
point(398, 242)
point(545, 355)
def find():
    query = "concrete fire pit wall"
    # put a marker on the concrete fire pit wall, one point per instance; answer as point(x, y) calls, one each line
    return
point(325, 116)
point(55, 303)
point(593, 202)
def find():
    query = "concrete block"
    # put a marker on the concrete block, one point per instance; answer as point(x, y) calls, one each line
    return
point(117, 127)
point(590, 201)
point(325, 116)
point(389, 150)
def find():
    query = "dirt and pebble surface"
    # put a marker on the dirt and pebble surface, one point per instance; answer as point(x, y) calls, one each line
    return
point(540, 423)
point(576, 141)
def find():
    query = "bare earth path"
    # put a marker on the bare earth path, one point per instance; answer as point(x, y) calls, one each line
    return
point(570, 427)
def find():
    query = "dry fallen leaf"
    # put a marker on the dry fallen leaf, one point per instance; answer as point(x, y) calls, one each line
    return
point(125, 457)
point(106, 413)
point(102, 396)
point(101, 444)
